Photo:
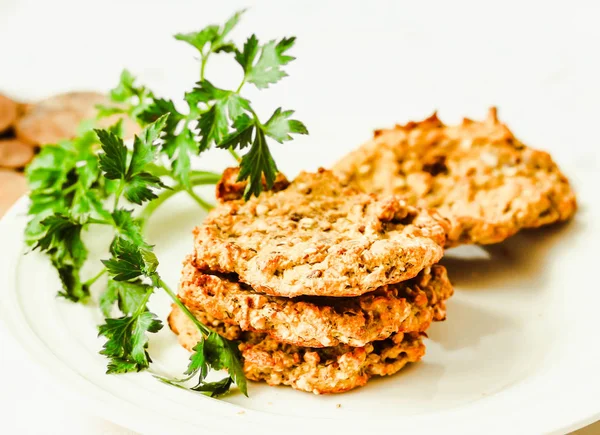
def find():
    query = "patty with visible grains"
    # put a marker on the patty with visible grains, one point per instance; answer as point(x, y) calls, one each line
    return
point(476, 174)
point(318, 237)
point(409, 306)
point(320, 371)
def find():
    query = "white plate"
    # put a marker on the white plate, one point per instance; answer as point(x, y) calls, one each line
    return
point(518, 354)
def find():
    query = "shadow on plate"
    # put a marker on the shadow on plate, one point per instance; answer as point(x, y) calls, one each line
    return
point(520, 257)
point(467, 325)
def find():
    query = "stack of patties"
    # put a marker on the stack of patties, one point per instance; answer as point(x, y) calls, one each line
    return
point(322, 285)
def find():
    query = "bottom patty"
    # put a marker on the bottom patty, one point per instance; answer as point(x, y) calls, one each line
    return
point(317, 370)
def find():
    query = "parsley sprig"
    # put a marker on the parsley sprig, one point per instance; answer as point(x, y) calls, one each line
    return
point(97, 180)
point(216, 116)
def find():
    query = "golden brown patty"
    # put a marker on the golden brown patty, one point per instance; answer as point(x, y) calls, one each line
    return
point(409, 306)
point(320, 238)
point(325, 370)
point(477, 174)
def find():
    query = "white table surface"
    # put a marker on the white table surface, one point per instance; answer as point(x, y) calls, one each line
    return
point(538, 61)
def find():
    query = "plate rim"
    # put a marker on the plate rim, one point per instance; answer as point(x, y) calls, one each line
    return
point(130, 415)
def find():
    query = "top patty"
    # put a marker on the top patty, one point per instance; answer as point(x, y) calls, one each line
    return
point(477, 174)
point(409, 306)
point(318, 237)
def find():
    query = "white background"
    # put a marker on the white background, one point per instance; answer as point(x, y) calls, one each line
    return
point(537, 61)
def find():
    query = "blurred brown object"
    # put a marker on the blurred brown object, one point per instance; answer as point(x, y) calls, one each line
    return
point(12, 186)
point(58, 117)
point(15, 154)
point(9, 111)
point(37, 123)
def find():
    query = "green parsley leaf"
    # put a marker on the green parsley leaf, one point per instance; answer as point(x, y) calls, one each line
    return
point(129, 261)
point(72, 287)
point(87, 203)
point(199, 39)
point(178, 147)
point(144, 150)
point(228, 101)
point(224, 354)
point(133, 99)
point(198, 364)
point(117, 128)
point(213, 126)
point(108, 298)
point(220, 45)
point(113, 161)
point(258, 162)
point(139, 187)
point(236, 106)
point(128, 227)
point(218, 353)
point(182, 148)
point(213, 36)
point(125, 89)
point(127, 341)
point(130, 296)
point(241, 137)
point(158, 108)
point(279, 126)
point(246, 57)
point(62, 239)
point(267, 69)
point(50, 169)
point(205, 92)
point(217, 388)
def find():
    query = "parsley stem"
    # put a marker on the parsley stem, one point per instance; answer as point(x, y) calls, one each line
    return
point(95, 278)
point(70, 189)
point(202, 66)
point(158, 170)
point(237, 91)
point(142, 307)
point(208, 176)
point(161, 171)
point(197, 178)
point(100, 222)
point(118, 194)
point(235, 155)
point(202, 203)
point(153, 205)
point(173, 296)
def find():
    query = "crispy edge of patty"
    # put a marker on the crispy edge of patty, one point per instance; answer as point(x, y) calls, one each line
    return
point(316, 370)
point(409, 306)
